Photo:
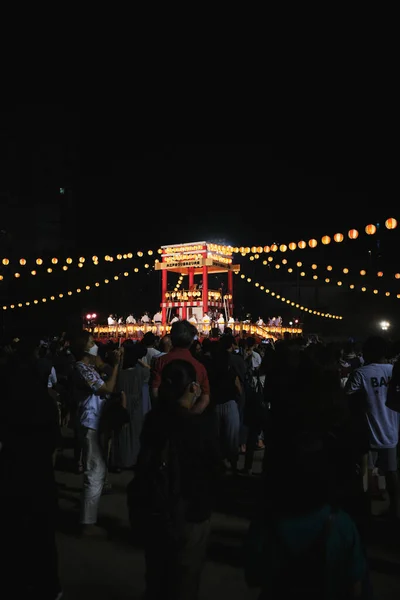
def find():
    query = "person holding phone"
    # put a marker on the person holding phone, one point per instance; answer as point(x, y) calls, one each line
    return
point(91, 393)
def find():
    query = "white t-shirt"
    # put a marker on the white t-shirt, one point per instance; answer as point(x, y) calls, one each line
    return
point(130, 319)
point(151, 353)
point(157, 317)
point(111, 321)
point(145, 319)
point(382, 421)
point(256, 360)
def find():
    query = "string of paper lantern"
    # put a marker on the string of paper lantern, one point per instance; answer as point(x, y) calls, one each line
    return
point(288, 301)
point(352, 234)
point(78, 290)
point(370, 229)
point(80, 263)
point(345, 271)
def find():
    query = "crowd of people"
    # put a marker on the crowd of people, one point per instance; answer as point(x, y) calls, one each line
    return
point(179, 411)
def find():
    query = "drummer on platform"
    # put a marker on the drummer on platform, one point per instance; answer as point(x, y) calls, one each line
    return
point(221, 323)
point(145, 318)
point(157, 320)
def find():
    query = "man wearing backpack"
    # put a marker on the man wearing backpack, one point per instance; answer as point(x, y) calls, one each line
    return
point(171, 495)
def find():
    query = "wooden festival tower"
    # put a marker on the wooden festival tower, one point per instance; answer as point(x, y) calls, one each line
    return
point(196, 260)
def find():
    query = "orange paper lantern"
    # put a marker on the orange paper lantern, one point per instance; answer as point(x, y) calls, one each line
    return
point(391, 223)
point(370, 229)
point(338, 237)
point(302, 245)
point(274, 248)
point(380, 274)
point(326, 240)
point(353, 234)
point(312, 243)
point(283, 247)
point(292, 246)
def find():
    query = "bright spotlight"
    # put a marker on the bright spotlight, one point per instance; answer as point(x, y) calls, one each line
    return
point(88, 317)
point(94, 315)
point(384, 325)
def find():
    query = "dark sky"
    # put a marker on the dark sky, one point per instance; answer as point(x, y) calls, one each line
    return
point(127, 193)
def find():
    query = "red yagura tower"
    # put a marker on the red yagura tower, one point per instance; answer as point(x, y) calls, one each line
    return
point(197, 260)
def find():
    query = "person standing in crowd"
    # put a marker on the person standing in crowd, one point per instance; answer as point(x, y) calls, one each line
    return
point(240, 368)
point(214, 334)
point(196, 349)
point(125, 447)
point(302, 546)
point(130, 319)
point(225, 393)
point(149, 341)
point(306, 544)
point(182, 336)
point(164, 347)
point(174, 483)
point(252, 356)
point(383, 423)
point(111, 320)
point(29, 435)
point(91, 391)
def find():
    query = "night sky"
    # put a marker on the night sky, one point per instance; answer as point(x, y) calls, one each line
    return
point(125, 195)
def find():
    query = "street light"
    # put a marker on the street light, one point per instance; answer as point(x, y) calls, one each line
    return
point(384, 325)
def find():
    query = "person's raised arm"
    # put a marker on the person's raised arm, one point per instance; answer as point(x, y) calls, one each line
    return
point(109, 386)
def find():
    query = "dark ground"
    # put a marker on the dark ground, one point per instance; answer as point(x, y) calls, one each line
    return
point(113, 569)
